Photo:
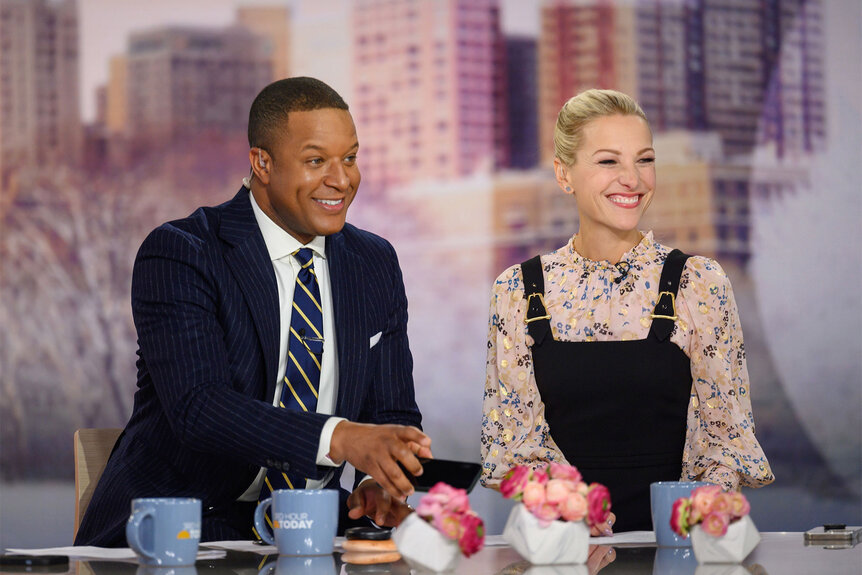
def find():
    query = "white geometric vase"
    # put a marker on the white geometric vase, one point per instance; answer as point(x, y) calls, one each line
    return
point(425, 548)
point(559, 542)
point(732, 547)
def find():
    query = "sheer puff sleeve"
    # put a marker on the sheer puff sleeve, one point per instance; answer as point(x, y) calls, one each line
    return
point(720, 445)
point(514, 430)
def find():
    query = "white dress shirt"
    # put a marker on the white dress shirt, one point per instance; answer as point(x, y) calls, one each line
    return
point(280, 245)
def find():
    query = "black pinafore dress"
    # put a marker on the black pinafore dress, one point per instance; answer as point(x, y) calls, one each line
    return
point(616, 409)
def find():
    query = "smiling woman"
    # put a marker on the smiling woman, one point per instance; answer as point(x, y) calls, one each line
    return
point(615, 353)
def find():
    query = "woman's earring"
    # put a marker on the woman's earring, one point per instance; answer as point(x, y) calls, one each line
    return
point(568, 188)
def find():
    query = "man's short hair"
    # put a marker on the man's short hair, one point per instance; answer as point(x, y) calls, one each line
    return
point(267, 118)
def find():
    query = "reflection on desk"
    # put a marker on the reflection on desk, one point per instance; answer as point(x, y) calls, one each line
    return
point(777, 554)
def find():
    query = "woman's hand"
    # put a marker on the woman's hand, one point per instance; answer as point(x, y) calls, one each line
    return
point(604, 530)
point(600, 557)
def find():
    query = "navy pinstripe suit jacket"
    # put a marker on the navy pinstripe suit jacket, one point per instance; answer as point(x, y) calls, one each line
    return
point(205, 305)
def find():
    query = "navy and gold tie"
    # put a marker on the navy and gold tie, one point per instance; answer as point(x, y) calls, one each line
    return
point(304, 353)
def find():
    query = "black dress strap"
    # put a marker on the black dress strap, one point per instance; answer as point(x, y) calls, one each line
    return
point(664, 315)
point(538, 319)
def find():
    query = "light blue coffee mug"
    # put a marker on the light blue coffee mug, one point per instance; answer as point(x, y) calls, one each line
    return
point(304, 521)
point(301, 565)
point(674, 561)
point(165, 531)
point(662, 494)
point(156, 570)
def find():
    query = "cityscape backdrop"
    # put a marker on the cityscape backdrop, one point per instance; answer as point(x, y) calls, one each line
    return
point(117, 115)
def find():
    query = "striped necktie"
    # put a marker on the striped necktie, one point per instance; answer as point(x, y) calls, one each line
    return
point(304, 353)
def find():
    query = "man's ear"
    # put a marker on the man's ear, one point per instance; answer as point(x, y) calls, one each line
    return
point(562, 173)
point(260, 164)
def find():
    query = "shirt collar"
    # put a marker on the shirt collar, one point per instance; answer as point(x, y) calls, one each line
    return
point(639, 253)
point(278, 242)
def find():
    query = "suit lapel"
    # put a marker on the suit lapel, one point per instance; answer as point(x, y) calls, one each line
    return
point(250, 265)
point(347, 303)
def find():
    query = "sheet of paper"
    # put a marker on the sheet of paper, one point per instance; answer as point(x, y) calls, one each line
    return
point(254, 547)
point(247, 546)
point(101, 553)
point(495, 541)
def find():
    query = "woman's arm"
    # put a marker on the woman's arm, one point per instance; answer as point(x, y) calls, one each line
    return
point(720, 443)
point(514, 430)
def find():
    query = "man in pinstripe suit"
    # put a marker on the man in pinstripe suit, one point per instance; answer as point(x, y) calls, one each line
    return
point(211, 297)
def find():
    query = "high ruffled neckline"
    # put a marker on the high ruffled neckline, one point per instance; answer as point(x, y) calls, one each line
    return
point(640, 253)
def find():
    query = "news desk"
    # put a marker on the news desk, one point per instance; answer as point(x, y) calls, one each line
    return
point(777, 554)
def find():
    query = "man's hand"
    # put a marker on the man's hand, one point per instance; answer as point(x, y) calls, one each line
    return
point(370, 499)
point(377, 450)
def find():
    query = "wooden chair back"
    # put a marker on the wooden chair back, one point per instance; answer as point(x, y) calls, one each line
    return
point(92, 450)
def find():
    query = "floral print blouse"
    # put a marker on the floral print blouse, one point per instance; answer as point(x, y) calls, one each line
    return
point(586, 304)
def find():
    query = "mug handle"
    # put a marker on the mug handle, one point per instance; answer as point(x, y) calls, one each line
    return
point(133, 531)
point(260, 521)
point(269, 568)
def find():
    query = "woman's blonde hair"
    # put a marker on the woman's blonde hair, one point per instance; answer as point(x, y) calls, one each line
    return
point(583, 109)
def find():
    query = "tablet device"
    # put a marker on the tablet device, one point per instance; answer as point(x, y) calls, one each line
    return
point(458, 474)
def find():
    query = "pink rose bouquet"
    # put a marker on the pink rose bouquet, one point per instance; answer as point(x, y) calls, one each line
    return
point(448, 510)
point(557, 491)
point(709, 507)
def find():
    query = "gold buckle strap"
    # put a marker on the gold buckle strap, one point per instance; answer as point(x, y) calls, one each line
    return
point(528, 319)
point(673, 317)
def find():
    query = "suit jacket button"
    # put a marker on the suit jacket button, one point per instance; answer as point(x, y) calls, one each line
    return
point(270, 463)
point(285, 466)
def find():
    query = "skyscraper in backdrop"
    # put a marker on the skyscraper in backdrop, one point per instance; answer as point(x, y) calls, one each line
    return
point(429, 91)
point(39, 113)
point(184, 81)
point(736, 68)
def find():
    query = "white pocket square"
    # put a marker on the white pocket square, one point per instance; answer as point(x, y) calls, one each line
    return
point(374, 339)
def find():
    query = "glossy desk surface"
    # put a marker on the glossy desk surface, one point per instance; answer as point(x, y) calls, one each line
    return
point(777, 554)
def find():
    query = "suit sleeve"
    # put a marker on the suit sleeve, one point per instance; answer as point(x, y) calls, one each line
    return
point(182, 323)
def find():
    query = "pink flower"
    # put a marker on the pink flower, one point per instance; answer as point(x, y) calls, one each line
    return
point(561, 471)
point(574, 508)
point(512, 486)
point(545, 513)
point(701, 500)
point(557, 490)
point(598, 504)
point(473, 538)
point(440, 498)
point(710, 507)
point(429, 507)
point(679, 516)
point(739, 506)
point(449, 524)
point(715, 523)
point(534, 495)
point(722, 503)
point(540, 476)
point(448, 510)
point(458, 501)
